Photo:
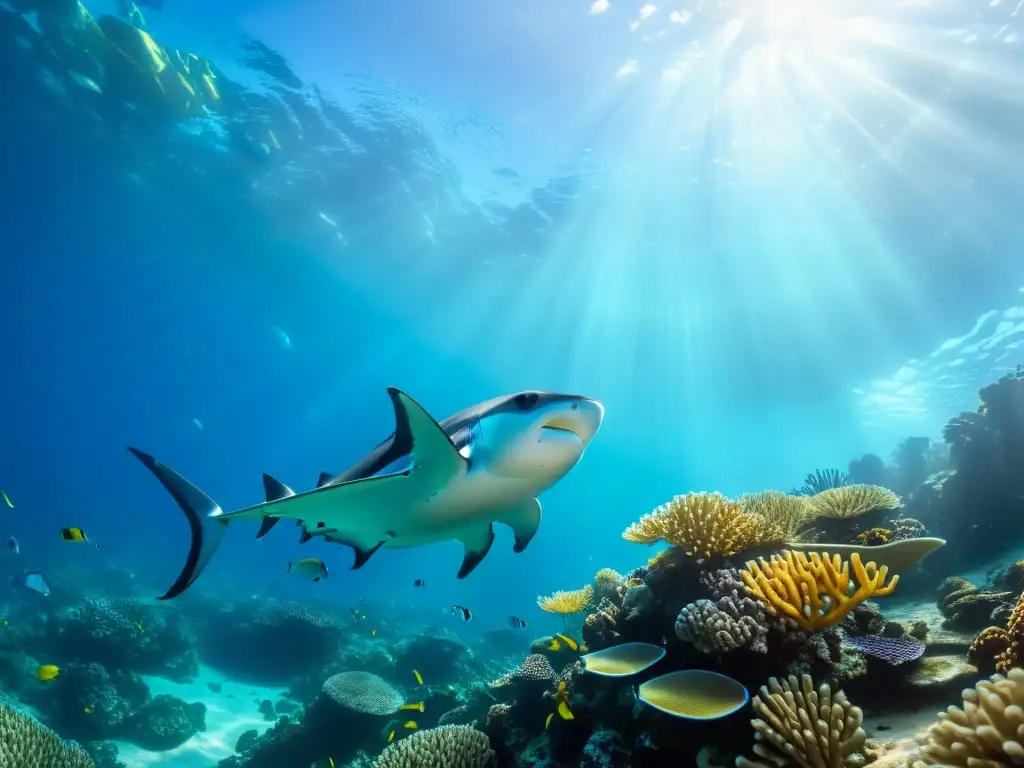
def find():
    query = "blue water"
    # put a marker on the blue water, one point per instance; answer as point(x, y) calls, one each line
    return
point(762, 252)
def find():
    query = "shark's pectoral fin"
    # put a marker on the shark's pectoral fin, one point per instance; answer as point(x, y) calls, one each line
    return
point(435, 459)
point(361, 553)
point(275, 491)
point(477, 543)
point(524, 521)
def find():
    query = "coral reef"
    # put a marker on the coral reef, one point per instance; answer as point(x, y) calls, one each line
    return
point(987, 732)
point(814, 591)
point(894, 650)
point(851, 501)
point(458, 746)
point(719, 627)
point(813, 728)
point(24, 743)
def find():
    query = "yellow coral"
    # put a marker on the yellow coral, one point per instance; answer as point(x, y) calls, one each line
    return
point(787, 512)
point(566, 602)
point(851, 501)
point(814, 589)
point(703, 525)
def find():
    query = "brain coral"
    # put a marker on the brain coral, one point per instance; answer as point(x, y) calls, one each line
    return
point(24, 743)
point(363, 692)
point(451, 746)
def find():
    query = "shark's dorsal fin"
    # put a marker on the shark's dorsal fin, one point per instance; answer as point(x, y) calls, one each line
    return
point(435, 459)
point(524, 521)
point(324, 479)
point(275, 491)
point(477, 545)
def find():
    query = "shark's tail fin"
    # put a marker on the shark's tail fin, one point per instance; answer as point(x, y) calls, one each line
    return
point(202, 513)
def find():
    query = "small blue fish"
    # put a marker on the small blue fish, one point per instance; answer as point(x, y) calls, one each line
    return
point(12, 544)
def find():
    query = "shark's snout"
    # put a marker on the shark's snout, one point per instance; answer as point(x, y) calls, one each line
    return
point(581, 415)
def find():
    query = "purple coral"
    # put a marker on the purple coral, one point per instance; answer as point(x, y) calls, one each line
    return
point(894, 650)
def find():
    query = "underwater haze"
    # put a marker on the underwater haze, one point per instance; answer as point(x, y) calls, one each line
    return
point(763, 245)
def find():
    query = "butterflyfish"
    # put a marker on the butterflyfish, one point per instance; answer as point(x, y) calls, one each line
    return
point(47, 672)
point(461, 612)
point(516, 622)
point(76, 535)
point(694, 694)
point(622, 660)
point(419, 583)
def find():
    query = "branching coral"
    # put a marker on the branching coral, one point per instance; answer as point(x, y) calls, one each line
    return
point(567, 602)
point(785, 511)
point(987, 733)
point(703, 525)
point(814, 589)
point(797, 725)
point(24, 743)
point(851, 501)
point(448, 745)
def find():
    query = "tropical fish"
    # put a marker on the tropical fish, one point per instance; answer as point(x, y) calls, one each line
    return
point(419, 583)
point(47, 672)
point(418, 706)
point(76, 535)
point(411, 725)
point(312, 568)
point(419, 678)
point(483, 465)
point(516, 622)
point(568, 641)
point(34, 580)
point(12, 544)
point(461, 612)
point(88, 710)
point(622, 660)
point(391, 737)
point(7, 499)
point(694, 694)
point(561, 698)
point(373, 633)
point(547, 722)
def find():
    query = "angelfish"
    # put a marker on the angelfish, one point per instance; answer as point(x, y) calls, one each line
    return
point(427, 482)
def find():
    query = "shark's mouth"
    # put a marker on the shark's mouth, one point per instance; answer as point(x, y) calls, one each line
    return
point(551, 433)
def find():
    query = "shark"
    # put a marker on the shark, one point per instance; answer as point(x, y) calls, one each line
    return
point(427, 482)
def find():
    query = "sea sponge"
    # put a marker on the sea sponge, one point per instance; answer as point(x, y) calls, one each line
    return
point(797, 725)
point(567, 602)
point(851, 501)
point(704, 525)
point(25, 743)
point(987, 733)
point(814, 589)
point(454, 746)
point(363, 692)
point(786, 511)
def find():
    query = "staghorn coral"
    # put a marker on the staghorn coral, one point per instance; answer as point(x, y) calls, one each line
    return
point(723, 626)
point(793, 585)
point(703, 525)
point(535, 669)
point(799, 726)
point(783, 510)
point(851, 501)
point(454, 746)
point(567, 602)
point(25, 743)
point(363, 692)
point(988, 732)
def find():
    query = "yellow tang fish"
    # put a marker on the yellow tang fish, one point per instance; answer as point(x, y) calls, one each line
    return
point(411, 725)
point(419, 678)
point(391, 737)
point(418, 706)
point(47, 672)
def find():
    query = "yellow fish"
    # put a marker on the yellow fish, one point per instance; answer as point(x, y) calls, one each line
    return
point(76, 534)
point(7, 499)
point(548, 721)
point(554, 645)
point(419, 678)
point(139, 625)
point(47, 672)
point(391, 737)
point(562, 698)
point(411, 725)
point(373, 633)
point(568, 641)
point(564, 711)
point(418, 706)
point(88, 710)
